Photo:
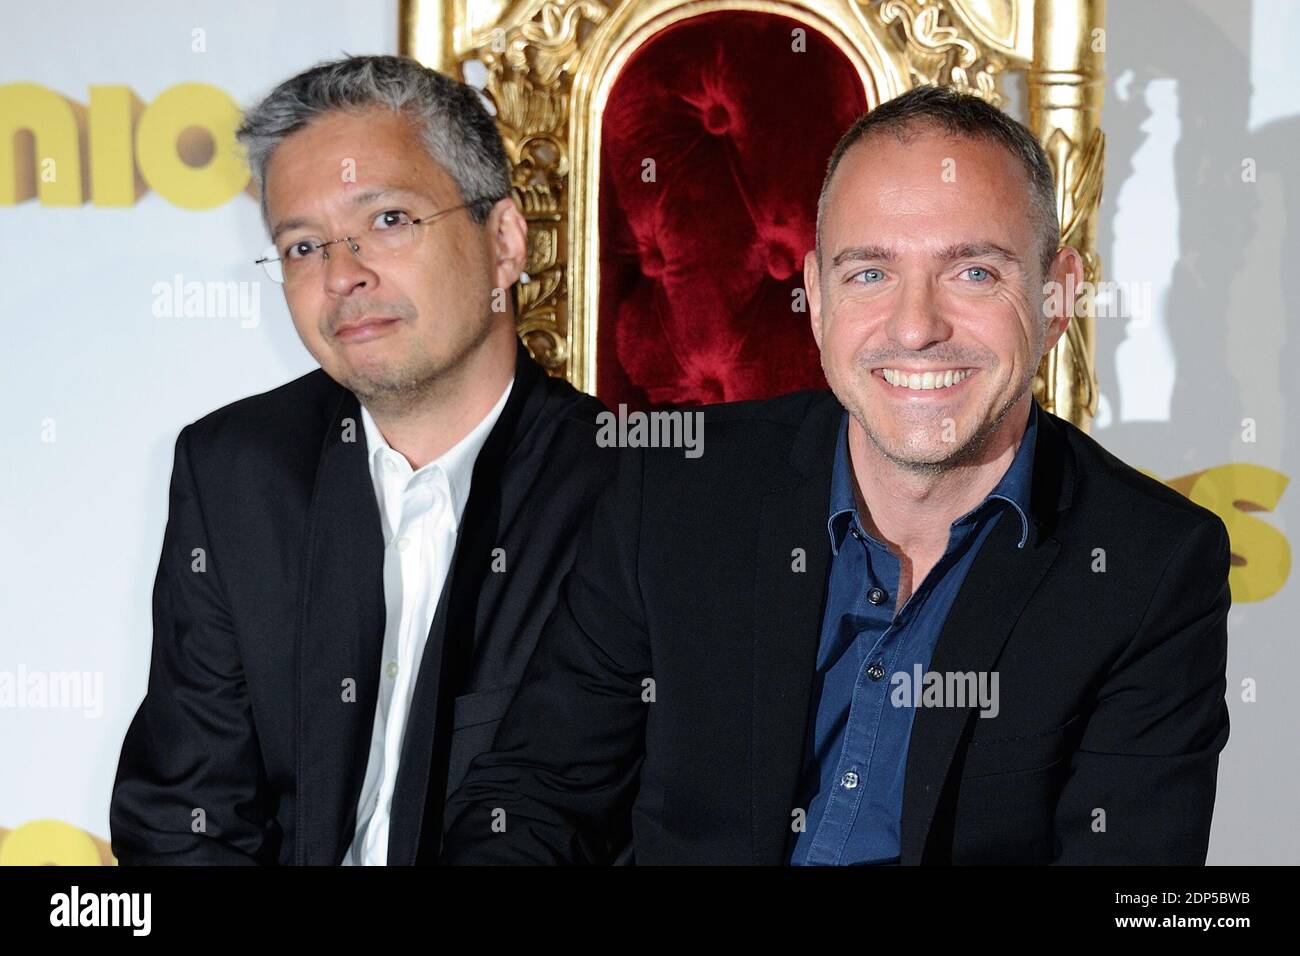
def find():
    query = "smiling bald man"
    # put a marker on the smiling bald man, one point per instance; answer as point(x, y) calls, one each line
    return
point(913, 619)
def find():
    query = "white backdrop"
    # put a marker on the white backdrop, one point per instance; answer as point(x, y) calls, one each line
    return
point(100, 371)
point(82, 516)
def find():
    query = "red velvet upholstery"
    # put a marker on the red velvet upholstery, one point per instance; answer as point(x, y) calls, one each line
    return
point(698, 267)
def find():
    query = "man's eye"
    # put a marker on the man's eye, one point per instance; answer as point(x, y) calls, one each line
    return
point(977, 273)
point(870, 276)
point(301, 249)
point(390, 218)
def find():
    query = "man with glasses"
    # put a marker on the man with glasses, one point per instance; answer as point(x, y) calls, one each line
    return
point(356, 564)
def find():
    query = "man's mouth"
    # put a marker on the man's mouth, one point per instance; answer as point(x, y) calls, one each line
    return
point(365, 328)
point(923, 380)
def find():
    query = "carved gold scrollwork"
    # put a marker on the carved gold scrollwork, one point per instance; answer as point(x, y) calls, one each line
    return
point(529, 76)
point(937, 51)
point(1078, 173)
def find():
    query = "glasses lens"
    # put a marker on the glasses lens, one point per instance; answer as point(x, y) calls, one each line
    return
point(387, 240)
point(272, 264)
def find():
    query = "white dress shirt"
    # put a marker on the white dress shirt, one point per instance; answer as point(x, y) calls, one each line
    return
point(420, 512)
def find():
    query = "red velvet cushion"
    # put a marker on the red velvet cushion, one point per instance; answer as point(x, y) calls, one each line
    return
point(698, 267)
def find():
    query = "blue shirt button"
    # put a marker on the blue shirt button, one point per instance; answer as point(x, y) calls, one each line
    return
point(877, 595)
point(875, 671)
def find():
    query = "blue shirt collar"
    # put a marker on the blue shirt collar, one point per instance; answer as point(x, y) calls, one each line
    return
point(1014, 487)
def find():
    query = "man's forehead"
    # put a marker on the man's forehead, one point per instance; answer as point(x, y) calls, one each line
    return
point(374, 144)
point(350, 160)
point(910, 195)
point(955, 169)
point(352, 200)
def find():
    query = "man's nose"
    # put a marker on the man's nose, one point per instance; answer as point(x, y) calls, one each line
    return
point(918, 320)
point(344, 270)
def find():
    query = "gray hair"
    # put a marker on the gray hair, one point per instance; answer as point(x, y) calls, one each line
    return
point(457, 129)
point(970, 117)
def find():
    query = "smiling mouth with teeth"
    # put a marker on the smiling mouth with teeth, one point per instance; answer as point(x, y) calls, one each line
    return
point(926, 381)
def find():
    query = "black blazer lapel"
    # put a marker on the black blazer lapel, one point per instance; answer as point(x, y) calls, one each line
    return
point(787, 626)
point(340, 639)
point(1001, 581)
point(431, 702)
point(418, 796)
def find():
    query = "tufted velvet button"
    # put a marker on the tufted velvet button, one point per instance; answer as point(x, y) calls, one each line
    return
point(652, 262)
point(717, 120)
point(780, 261)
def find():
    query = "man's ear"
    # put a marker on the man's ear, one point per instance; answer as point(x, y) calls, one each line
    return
point(508, 235)
point(812, 289)
point(1061, 290)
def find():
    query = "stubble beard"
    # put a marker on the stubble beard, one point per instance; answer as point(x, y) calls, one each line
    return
point(416, 380)
point(965, 453)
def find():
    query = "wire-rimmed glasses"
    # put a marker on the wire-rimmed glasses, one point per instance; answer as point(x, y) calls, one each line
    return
point(390, 234)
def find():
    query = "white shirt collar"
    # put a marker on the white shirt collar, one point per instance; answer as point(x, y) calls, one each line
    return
point(456, 463)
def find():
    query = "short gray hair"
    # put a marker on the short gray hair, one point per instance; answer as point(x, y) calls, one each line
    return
point(969, 117)
point(457, 129)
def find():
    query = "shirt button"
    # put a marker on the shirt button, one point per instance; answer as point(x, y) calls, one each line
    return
point(390, 465)
point(391, 669)
point(403, 543)
point(877, 595)
point(875, 671)
point(849, 780)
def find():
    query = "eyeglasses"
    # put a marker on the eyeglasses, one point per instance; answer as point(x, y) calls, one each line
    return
point(390, 234)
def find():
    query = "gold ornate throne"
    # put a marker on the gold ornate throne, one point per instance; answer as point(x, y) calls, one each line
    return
point(556, 70)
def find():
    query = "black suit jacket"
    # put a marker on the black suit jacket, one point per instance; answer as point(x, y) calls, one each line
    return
point(1112, 710)
point(245, 718)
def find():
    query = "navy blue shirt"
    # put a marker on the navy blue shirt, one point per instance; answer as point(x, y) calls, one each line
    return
point(856, 751)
